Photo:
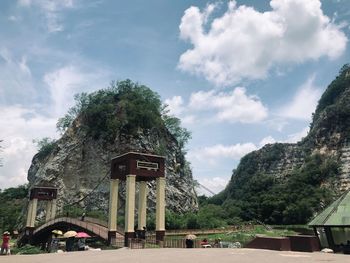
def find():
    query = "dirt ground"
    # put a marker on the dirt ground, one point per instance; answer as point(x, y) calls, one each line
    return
point(172, 255)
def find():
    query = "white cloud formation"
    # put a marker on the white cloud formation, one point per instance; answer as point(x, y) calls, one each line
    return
point(23, 123)
point(211, 154)
point(50, 10)
point(304, 102)
point(267, 140)
point(68, 80)
point(296, 137)
point(233, 106)
point(215, 184)
point(175, 105)
point(22, 126)
point(15, 78)
point(244, 43)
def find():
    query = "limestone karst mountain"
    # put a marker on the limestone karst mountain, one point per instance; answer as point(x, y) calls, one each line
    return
point(289, 183)
point(104, 124)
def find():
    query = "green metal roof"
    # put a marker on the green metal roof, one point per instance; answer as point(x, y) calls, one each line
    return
point(337, 214)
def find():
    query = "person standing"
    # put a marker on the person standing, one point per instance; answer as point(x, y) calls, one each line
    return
point(5, 247)
point(83, 216)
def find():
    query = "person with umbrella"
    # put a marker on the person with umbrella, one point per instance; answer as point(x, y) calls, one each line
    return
point(189, 240)
point(5, 247)
point(53, 243)
point(70, 235)
point(81, 241)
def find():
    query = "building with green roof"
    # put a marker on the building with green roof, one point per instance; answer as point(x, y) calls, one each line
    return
point(332, 225)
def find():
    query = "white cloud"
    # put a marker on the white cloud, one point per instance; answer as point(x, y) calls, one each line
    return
point(15, 78)
point(212, 154)
point(22, 126)
point(14, 18)
point(24, 67)
point(296, 137)
point(304, 102)
point(51, 10)
point(175, 105)
point(68, 80)
point(244, 43)
point(234, 106)
point(215, 184)
point(267, 140)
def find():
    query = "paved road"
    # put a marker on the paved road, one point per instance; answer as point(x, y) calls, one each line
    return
point(172, 255)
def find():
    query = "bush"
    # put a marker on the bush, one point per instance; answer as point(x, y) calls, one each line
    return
point(45, 146)
point(26, 250)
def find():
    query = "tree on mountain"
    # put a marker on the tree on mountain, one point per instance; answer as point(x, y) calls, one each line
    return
point(125, 108)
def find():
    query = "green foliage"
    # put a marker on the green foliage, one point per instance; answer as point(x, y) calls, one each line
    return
point(81, 102)
point(334, 90)
point(12, 200)
point(262, 197)
point(45, 146)
point(26, 250)
point(72, 211)
point(173, 125)
point(124, 109)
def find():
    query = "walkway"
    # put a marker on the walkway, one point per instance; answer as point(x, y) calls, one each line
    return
point(173, 255)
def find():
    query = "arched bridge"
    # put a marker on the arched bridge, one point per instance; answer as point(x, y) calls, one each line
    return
point(94, 227)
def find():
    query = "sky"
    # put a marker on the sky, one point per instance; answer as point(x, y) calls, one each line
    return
point(239, 74)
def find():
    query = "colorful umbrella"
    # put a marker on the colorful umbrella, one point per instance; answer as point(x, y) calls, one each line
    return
point(191, 236)
point(82, 235)
point(57, 232)
point(70, 234)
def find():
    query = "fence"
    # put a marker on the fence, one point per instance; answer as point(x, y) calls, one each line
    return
point(171, 242)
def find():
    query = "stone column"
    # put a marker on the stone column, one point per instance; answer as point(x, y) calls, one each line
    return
point(48, 210)
point(142, 207)
point(33, 213)
point(29, 213)
point(112, 213)
point(53, 208)
point(129, 207)
point(160, 209)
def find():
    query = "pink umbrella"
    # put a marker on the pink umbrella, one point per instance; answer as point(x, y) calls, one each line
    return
point(82, 235)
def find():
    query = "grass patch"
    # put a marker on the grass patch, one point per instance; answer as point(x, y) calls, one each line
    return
point(26, 250)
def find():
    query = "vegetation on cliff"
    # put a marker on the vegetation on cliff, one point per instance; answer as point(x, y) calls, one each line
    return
point(294, 197)
point(124, 109)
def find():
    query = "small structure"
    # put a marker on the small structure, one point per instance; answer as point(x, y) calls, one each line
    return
point(40, 193)
point(135, 167)
point(332, 226)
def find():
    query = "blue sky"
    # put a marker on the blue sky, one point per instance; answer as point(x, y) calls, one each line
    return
point(238, 74)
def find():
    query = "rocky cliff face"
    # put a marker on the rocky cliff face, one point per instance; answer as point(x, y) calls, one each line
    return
point(79, 165)
point(329, 137)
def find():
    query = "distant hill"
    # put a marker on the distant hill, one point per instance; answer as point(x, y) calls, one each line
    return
point(288, 183)
point(13, 201)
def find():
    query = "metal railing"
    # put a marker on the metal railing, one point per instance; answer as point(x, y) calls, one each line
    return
point(96, 229)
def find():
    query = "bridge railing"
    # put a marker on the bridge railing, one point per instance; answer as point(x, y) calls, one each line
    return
point(89, 226)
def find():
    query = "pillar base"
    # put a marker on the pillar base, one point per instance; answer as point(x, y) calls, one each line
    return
point(29, 234)
point(127, 236)
point(160, 235)
point(112, 237)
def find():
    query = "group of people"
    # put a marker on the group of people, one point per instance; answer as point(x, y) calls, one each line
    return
point(5, 246)
point(71, 244)
point(189, 242)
